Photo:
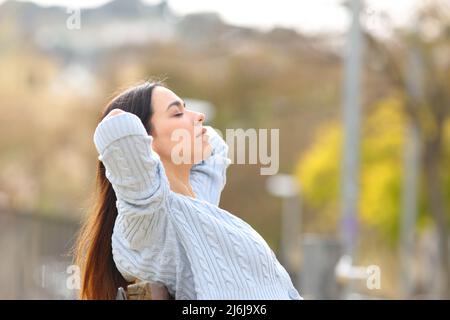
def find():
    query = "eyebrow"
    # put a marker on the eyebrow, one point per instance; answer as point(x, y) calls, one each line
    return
point(176, 103)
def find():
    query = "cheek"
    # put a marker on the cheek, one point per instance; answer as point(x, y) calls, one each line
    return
point(161, 139)
point(164, 143)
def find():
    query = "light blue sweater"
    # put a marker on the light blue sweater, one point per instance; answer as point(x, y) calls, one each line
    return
point(194, 248)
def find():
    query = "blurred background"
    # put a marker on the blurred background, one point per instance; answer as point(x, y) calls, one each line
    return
point(360, 91)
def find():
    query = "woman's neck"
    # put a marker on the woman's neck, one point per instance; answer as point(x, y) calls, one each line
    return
point(178, 176)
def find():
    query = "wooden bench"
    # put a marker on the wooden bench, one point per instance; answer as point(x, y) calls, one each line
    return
point(143, 290)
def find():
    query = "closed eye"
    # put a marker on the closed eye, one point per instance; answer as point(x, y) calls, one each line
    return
point(178, 114)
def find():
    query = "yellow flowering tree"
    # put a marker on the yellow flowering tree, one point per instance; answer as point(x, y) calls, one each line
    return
point(318, 170)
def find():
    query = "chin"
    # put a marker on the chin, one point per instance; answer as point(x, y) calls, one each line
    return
point(206, 153)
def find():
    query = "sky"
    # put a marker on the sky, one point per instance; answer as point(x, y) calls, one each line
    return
point(309, 16)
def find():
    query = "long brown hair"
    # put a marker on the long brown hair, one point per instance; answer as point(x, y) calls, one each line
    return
point(100, 278)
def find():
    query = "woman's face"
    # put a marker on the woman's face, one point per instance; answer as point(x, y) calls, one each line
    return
point(178, 133)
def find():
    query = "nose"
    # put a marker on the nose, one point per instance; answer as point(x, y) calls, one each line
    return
point(200, 117)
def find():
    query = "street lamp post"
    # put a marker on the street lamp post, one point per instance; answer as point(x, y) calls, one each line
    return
point(351, 117)
point(286, 187)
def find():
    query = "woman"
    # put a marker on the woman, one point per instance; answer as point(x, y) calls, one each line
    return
point(157, 218)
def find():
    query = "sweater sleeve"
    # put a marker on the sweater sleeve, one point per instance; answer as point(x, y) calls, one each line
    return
point(136, 175)
point(208, 177)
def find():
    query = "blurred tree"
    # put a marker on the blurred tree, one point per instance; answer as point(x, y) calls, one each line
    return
point(429, 113)
point(383, 136)
point(318, 170)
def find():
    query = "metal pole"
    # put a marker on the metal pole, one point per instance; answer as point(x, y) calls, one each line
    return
point(351, 117)
point(290, 234)
point(411, 172)
point(287, 188)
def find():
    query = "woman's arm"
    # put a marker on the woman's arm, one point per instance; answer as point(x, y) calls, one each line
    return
point(208, 177)
point(135, 172)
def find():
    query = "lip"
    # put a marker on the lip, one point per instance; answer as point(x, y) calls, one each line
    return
point(202, 133)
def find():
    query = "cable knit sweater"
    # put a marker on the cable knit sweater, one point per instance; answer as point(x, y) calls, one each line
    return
point(194, 248)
